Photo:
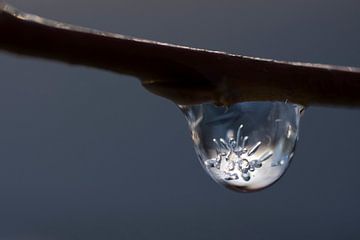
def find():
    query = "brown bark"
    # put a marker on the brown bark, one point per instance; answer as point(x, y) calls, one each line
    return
point(182, 74)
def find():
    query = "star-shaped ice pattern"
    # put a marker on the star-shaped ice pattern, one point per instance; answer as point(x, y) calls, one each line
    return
point(233, 157)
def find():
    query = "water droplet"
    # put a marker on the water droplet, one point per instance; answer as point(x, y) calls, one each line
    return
point(245, 146)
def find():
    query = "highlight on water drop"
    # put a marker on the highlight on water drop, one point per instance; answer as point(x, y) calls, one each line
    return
point(245, 146)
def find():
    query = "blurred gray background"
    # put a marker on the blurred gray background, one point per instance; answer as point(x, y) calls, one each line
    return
point(87, 154)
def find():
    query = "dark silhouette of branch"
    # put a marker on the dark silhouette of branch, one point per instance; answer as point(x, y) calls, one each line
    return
point(182, 74)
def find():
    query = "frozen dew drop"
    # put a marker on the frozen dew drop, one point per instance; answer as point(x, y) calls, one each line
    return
point(245, 146)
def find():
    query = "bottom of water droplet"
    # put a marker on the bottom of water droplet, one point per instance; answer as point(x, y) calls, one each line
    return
point(246, 146)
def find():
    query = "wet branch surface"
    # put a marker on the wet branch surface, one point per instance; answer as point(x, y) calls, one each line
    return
point(182, 74)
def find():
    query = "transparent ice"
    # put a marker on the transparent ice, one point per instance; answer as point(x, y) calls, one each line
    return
point(245, 146)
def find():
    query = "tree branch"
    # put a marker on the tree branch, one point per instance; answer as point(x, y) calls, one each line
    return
point(182, 74)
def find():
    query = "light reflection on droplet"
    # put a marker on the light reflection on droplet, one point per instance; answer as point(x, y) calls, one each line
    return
point(246, 146)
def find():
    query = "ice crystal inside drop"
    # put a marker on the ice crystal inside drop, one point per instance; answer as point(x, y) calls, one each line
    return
point(246, 146)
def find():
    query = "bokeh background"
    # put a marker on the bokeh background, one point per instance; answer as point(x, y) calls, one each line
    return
point(88, 154)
